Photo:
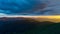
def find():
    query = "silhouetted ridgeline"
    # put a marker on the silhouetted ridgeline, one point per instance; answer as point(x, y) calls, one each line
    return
point(28, 26)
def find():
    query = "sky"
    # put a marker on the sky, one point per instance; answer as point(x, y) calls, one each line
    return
point(29, 7)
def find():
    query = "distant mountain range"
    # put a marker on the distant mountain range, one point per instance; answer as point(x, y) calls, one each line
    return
point(37, 18)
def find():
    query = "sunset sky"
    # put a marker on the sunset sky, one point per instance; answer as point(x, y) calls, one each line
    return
point(44, 9)
point(51, 18)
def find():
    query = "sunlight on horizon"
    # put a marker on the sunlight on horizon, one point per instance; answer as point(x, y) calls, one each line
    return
point(52, 18)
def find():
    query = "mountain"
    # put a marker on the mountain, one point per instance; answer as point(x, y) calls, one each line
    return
point(25, 25)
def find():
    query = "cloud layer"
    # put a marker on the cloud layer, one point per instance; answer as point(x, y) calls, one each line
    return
point(30, 7)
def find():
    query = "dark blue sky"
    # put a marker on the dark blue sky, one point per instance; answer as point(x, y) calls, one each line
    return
point(30, 7)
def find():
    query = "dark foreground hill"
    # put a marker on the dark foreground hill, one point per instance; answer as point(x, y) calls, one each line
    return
point(28, 26)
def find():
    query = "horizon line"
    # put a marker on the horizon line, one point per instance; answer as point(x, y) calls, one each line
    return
point(29, 15)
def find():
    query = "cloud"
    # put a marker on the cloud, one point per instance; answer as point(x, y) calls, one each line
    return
point(30, 7)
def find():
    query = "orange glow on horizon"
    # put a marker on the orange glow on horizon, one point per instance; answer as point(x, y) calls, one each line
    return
point(49, 18)
point(46, 18)
point(53, 18)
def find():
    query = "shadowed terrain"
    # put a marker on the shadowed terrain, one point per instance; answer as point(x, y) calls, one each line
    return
point(28, 26)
